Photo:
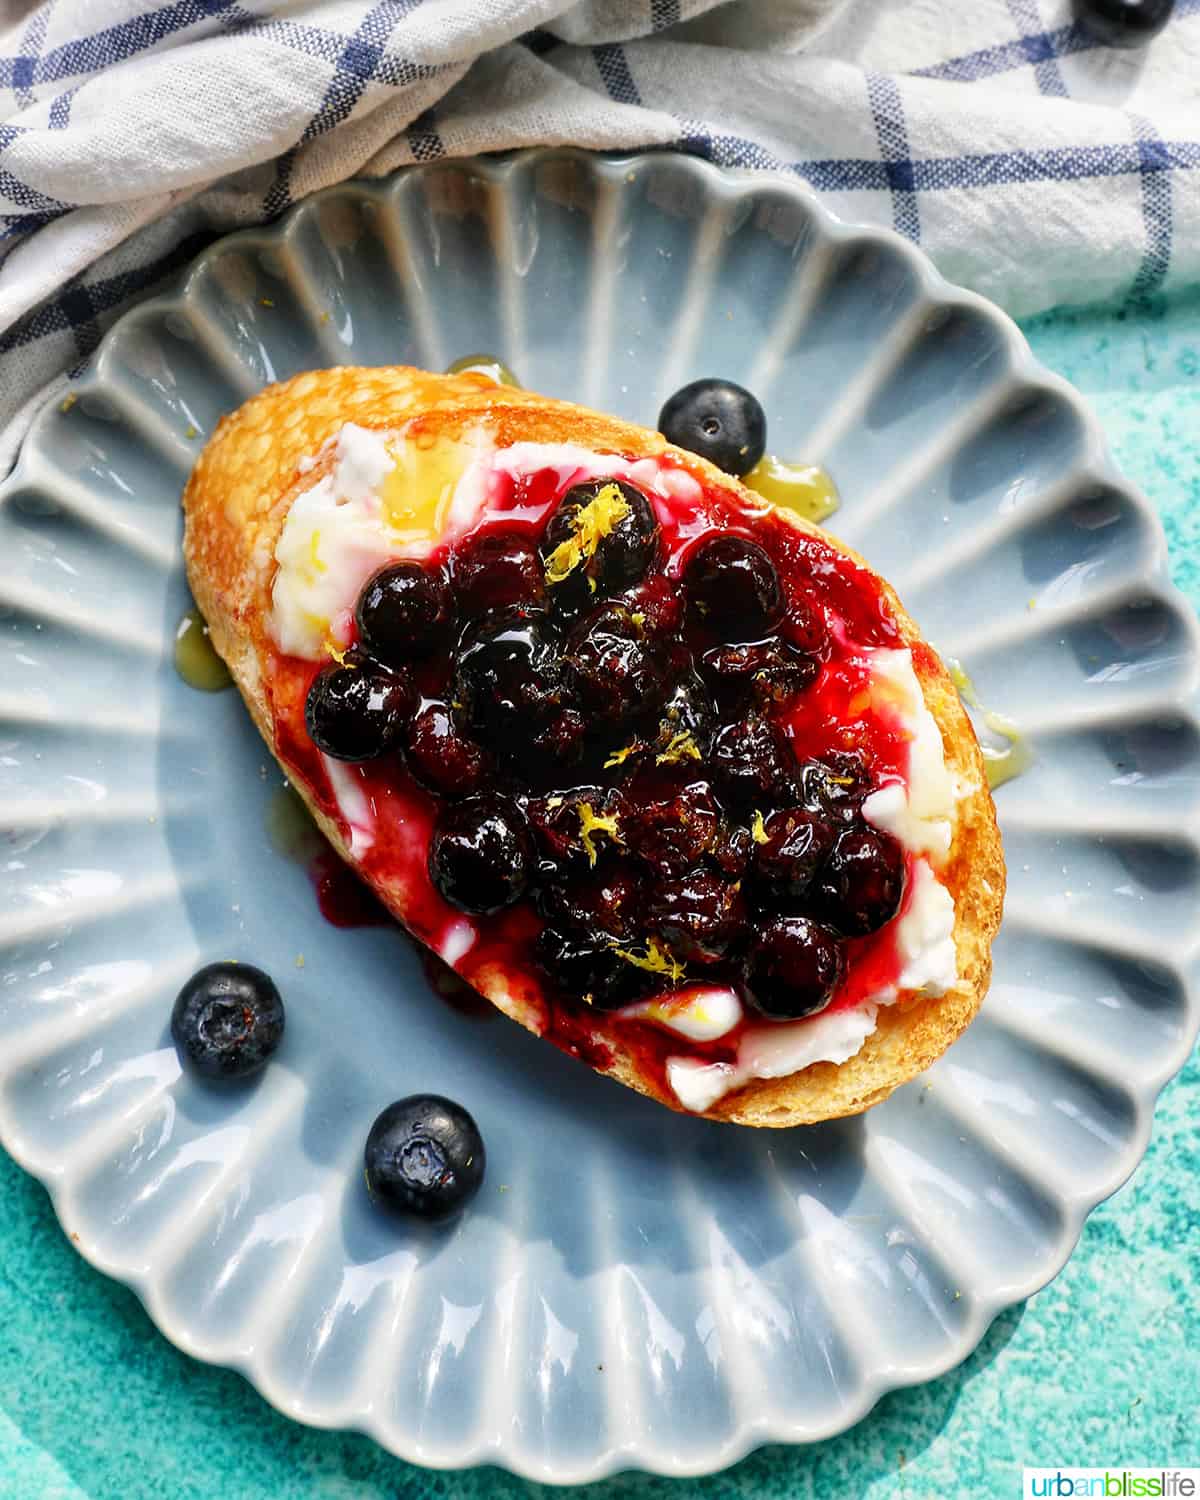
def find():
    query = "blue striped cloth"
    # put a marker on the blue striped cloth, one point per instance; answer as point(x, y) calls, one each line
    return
point(1033, 164)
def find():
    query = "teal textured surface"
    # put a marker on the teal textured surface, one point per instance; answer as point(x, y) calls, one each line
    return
point(1100, 1368)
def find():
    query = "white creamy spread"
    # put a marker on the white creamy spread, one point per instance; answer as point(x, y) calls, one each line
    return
point(771, 1051)
point(921, 814)
point(702, 1013)
point(925, 935)
point(384, 498)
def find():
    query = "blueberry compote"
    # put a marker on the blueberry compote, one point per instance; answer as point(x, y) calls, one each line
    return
point(614, 742)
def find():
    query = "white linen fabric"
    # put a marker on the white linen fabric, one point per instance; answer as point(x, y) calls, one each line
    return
point(1032, 163)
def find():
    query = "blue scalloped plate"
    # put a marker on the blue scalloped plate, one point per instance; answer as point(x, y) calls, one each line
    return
point(632, 1288)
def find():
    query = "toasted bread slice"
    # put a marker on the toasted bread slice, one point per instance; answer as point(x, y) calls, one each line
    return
point(236, 502)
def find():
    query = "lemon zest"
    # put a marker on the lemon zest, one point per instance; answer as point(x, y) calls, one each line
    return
point(589, 526)
point(680, 747)
point(590, 825)
point(758, 828)
point(619, 757)
point(657, 959)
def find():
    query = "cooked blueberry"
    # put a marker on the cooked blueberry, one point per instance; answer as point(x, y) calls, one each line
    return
point(791, 845)
point(658, 601)
point(862, 883)
point(493, 569)
point(673, 826)
point(699, 916)
point(228, 1020)
point(615, 671)
point(509, 676)
point(686, 723)
point(573, 829)
point(357, 713)
point(836, 786)
point(601, 537)
point(734, 586)
point(720, 421)
point(763, 671)
point(608, 904)
point(441, 756)
point(752, 761)
point(793, 968)
point(732, 850)
point(1123, 23)
point(402, 612)
point(585, 967)
point(804, 628)
point(424, 1156)
point(561, 738)
point(480, 854)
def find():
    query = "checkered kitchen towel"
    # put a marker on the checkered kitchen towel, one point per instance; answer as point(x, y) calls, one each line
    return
point(1032, 164)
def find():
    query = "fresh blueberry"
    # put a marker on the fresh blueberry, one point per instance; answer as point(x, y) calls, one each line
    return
point(228, 1020)
point(718, 420)
point(441, 756)
point(403, 612)
point(480, 856)
point(357, 713)
point(793, 969)
point(425, 1157)
point(1123, 23)
point(861, 885)
point(734, 586)
point(494, 569)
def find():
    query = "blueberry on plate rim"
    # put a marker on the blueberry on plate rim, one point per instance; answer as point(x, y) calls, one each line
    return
point(425, 1157)
point(228, 1020)
point(718, 420)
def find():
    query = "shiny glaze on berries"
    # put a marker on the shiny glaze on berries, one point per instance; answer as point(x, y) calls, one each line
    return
point(575, 943)
point(793, 969)
point(357, 712)
point(402, 613)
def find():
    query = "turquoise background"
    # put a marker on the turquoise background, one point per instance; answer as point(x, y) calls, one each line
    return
point(1101, 1368)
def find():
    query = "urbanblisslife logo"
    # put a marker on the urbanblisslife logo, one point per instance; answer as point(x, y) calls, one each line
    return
point(1112, 1484)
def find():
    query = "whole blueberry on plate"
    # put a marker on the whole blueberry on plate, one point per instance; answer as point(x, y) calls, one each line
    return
point(425, 1157)
point(1123, 23)
point(228, 1020)
point(718, 420)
